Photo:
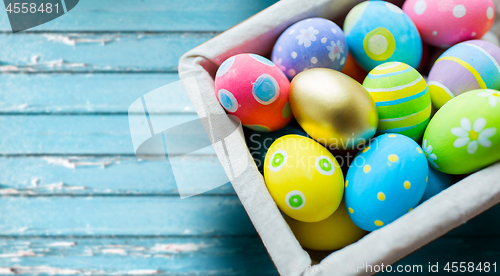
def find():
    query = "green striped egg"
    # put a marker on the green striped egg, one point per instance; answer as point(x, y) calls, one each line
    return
point(402, 99)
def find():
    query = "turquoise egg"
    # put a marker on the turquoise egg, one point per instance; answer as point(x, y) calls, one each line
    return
point(385, 181)
point(437, 182)
point(378, 32)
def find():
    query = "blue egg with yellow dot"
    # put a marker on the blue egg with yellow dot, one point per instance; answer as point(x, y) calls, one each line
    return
point(386, 180)
point(378, 32)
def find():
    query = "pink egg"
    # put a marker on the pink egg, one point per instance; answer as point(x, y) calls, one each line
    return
point(255, 90)
point(443, 23)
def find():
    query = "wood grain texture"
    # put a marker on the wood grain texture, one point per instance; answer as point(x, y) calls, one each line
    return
point(73, 197)
point(115, 175)
point(137, 256)
point(83, 93)
point(150, 15)
point(78, 134)
point(76, 52)
point(123, 216)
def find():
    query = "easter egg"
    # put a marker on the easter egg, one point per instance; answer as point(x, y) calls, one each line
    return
point(333, 233)
point(259, 142)
point(445, 23)
point(379, 32)
point(402, 99)
point(310, 43)
point(333, 108)
point(436, 183)
point(385, 181)
point(303, 178)
point(464, 135)
point(255, 90)
point(466, 66)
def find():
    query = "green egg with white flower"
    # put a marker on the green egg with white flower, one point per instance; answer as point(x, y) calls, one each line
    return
point(464, 135)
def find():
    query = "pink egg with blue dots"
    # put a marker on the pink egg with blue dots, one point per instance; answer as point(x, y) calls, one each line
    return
point(310, 43)
point(445, 23)
point(255, 90)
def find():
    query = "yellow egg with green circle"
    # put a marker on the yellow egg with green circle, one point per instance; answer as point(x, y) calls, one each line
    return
point(402, 99)
point(303, 178)
point(335, 232)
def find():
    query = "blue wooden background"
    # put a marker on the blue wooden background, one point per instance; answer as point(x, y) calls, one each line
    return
point(74, 199)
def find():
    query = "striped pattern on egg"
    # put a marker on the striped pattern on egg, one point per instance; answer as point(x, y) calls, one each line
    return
point(464, 67)
point(402, 99)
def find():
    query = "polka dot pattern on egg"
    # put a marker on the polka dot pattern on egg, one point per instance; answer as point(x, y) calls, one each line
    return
point(443, 23)
point(391, 187)
point(255, 90)
point(295, 200)
point(378, 32)
point(303, 178)
point(310, 43)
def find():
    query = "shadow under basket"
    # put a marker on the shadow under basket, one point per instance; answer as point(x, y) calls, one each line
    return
point(428, 221)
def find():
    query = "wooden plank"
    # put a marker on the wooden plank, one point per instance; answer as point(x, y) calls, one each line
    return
point(83, 93)
point(78, 134)
point(123, 215)
point(117, 175)
point(151, 15)
point(128, 52)
point(137, 256)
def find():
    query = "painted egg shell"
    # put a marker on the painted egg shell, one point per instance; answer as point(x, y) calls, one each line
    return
point(333, 108)
point(310, 43)
point(385, 181)
point(437, 182)
point(303, 178)
point(445, 23)
point(378, 32)
point(255, 90)
point(466, 66)
point(402, 99)
point(464, 135)
point(333, 233)
point(259, 142)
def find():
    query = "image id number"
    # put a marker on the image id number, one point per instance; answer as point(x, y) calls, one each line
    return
point(32, 8)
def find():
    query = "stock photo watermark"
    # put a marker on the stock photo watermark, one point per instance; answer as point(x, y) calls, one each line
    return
point(156, 139)
point(26, 14)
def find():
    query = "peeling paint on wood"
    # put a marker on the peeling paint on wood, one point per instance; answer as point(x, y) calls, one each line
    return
point(90, 93)
point(139, 256)
point(80, 52)
point(151, 15)
point(123, 176)
point(110, 215)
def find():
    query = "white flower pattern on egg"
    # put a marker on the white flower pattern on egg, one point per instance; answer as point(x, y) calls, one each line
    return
point(493, 97)
point(473, 135)
point(335, 49)
point(431, 157)
point(306, 36)
point(278, 62)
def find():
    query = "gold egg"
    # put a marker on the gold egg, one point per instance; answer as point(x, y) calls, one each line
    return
point(333, 108)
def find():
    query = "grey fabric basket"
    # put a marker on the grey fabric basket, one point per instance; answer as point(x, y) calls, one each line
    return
point(425, 223)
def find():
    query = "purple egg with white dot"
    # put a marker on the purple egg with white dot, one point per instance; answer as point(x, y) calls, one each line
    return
point(310, 43)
